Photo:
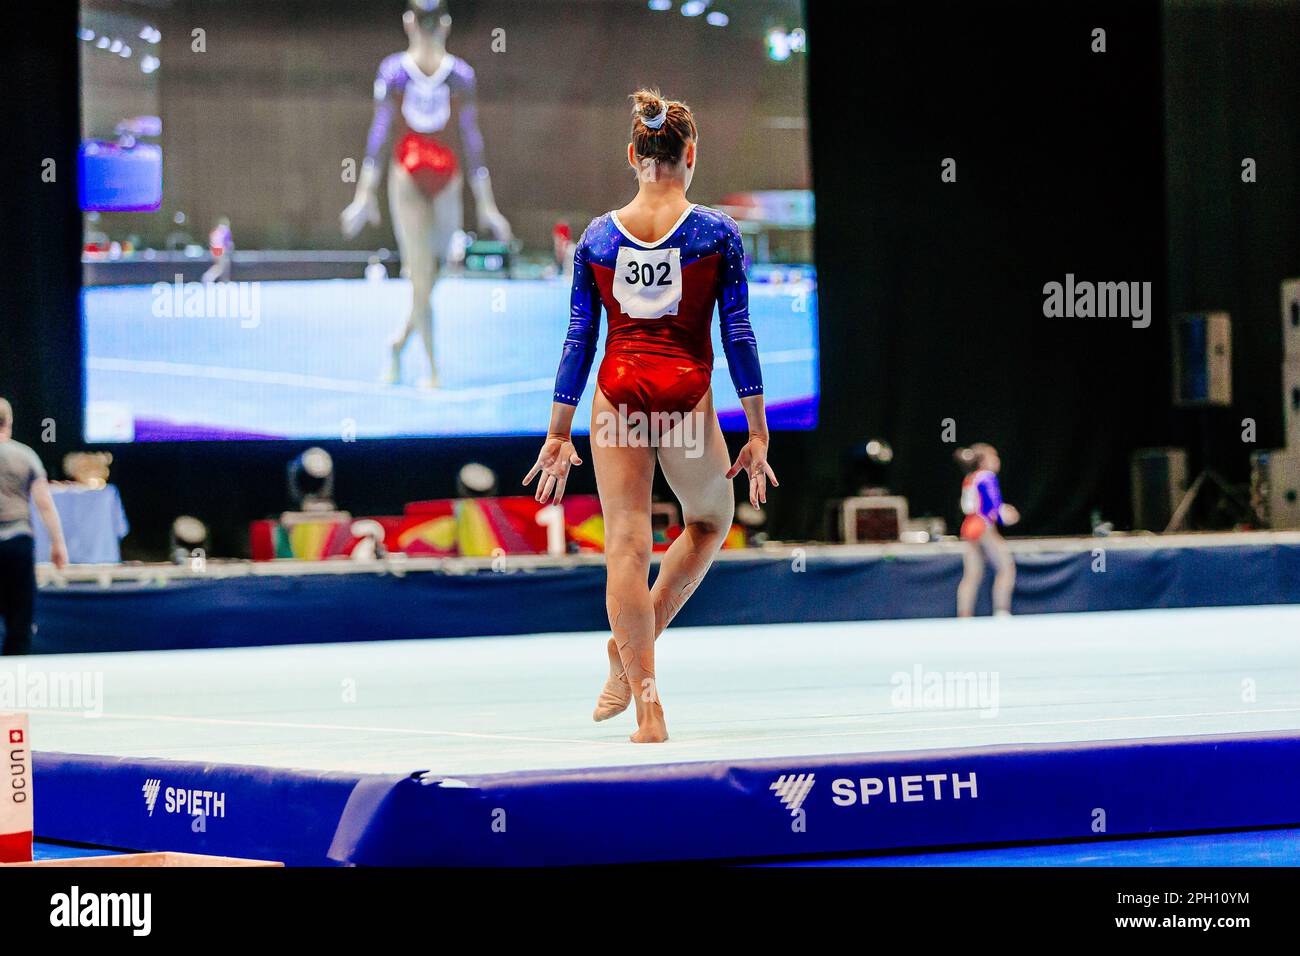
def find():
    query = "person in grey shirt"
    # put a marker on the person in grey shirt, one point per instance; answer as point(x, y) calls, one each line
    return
point(22, 482)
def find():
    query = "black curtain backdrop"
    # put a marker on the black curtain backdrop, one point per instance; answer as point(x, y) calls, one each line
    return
point(1232, 84)
point(931, 292)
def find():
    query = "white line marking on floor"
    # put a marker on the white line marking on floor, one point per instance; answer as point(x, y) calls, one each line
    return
point(679, 742)
point(317, 382)
point(285, 725)
point(351, 386)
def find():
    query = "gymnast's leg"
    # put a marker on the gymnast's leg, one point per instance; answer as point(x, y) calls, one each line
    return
point(971, 579)
point(1004, 581)
point(694, 459)
point(414, 222)
point(624, 478)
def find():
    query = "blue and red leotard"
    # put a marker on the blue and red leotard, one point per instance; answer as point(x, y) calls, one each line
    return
point(659, 300)
point(425, 103)
point(981, 501)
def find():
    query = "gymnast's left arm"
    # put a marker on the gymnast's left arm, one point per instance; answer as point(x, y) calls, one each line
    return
point(741, 348)
point(489, 216)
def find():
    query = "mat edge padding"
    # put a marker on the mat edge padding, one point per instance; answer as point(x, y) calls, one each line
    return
point(682, 811)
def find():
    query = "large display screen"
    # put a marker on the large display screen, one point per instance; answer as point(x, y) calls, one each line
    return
point(286, 238)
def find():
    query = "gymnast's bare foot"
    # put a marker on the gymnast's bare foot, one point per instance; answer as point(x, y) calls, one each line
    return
point(651, 728)
point(393, 374)
point(617, 693)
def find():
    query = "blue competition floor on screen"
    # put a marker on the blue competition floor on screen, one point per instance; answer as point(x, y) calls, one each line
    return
point(307, 360)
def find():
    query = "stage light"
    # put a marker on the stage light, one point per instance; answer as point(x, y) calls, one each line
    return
point(868, 467)
point(879, 451)
point(718, 19)
point(693, 8)
point(370, 547)
point(149, 63)
point(311, 480)
point(189, 540)
point(85, 34)
point(747, 516)
point(661, 5)
point(102, 43)
point(476, 481)
point(778, 45)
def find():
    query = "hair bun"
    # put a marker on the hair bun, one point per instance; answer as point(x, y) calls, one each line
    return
point(661, 127)
point(650, 108)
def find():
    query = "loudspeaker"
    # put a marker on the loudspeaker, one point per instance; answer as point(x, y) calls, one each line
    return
point(1275, 487)
point(1202, 359)
point(1159, 483)
point(1291, 402)
point(1291, 319)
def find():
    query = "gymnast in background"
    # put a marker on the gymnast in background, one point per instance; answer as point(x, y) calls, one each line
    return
point(981, 502)
point(415, 91)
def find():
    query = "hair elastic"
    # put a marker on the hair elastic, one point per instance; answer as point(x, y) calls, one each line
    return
point(654, 122)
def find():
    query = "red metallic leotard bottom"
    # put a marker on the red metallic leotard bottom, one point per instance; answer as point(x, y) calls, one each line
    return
point(431, 164)
point(650, 383)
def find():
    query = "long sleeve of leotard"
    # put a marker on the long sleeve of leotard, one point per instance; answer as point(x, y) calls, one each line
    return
point(386, 81)
point(738, 340)
point(471, 137)
point(584, 326)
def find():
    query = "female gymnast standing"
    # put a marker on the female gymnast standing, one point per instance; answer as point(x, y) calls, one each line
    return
point(658, 266)
point(981, 501)
point(424, 179)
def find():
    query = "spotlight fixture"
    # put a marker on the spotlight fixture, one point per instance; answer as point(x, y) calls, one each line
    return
point(661, 5)
point(782, 44)
point(693, 8)
point(749, 517)
point(311, 480)
point(188, 534)
point(879, 451)
point(371, 546)
point(868, 466)
point(476, 481)
point(717, 18)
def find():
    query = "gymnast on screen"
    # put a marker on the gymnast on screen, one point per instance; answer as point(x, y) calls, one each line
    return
point(658, 266)
point(424, 174)
point(981, 502)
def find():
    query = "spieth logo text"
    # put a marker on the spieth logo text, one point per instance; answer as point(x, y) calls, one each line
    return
point(914, 788)
point(191, 803)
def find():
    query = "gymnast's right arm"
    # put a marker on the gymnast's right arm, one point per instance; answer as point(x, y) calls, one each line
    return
point(558, 454)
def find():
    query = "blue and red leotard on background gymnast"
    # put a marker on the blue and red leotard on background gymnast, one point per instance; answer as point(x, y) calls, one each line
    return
point(981, 501)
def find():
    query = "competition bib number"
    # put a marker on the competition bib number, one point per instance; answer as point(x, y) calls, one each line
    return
point(648, 282)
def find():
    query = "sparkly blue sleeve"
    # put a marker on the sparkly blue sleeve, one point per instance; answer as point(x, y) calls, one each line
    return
point(738, 340)
point(584, 325)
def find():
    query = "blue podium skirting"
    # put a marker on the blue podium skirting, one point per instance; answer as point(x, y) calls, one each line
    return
point(690, 811)
point(207, 611)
